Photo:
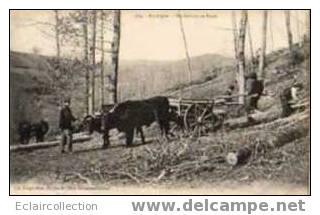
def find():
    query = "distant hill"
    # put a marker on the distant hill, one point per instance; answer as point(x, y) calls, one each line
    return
point(146, 78)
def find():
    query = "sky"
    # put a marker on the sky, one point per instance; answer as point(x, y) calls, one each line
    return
point(156, 35)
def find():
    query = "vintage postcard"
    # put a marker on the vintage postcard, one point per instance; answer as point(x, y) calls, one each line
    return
point(151, 102)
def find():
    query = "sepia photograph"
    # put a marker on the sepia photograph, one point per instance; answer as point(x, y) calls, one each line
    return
point(160, 102)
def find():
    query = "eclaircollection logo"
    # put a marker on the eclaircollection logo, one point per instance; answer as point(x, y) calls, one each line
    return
point(59, 206)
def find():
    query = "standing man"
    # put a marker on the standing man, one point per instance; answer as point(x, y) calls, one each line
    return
point(254, 90)
point(65, 124)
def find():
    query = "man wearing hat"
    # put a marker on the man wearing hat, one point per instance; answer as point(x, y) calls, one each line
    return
point(65, 124)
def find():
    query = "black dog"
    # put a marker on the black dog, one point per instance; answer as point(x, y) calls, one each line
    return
point(27, 130)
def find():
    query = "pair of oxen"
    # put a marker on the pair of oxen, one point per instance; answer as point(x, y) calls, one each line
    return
point(131, 116)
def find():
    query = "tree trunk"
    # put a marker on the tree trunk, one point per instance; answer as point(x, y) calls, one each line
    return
point(92, 72)
point(102, 59)
point(241, 56)
point(57, 31)
point(186, 49)
point(86, 59)
point(235, 41)
point(289, 33)
point(250, 44)
point(299, 40)
point(263, 46)
point(307, 28)
point(115, 53)
point(235, 33)
point(271, 30)
point(307, 48)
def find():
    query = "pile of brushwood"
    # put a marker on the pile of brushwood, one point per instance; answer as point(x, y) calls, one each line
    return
point(276, 150)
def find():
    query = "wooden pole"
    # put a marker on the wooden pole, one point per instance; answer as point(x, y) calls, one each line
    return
point(33, 146)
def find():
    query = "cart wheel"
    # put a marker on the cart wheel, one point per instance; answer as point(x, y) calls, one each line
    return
point(199, 119)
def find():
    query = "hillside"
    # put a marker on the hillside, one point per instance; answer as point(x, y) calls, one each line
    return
point(278, 75)
point(33, 94)
point(159, 76)
point(278, 165)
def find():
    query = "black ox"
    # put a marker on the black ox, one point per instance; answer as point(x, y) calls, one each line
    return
point(27, 130)
point(133, 115)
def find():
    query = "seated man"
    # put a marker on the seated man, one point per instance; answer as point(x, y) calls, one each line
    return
point(289, 96)
point(229, 92)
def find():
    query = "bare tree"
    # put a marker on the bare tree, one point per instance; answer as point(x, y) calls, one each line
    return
point(263, 46)
point(186, 48)
point(102, 17)
point(299, 40)
point(93, 62)
point(241, 56)
point(289, 33)
point(86, 58)
point(235, 33)
point(250, 43)
point(57, 31)
point(307, 27)
point(307, 48)
point(115, 53)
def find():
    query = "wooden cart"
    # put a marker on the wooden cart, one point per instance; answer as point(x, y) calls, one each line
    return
point(202, 115)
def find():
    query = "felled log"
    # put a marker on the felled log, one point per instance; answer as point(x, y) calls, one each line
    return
point(46, 144)
point(254, 119)
point(241, 156)
point(294, 128)
point(300, 105)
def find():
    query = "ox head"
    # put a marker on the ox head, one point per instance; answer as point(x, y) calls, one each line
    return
point(105, 120)
point(90, 123)
point(99, 122)
point(111, 120)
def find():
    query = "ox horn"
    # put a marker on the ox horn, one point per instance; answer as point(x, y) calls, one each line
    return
point(113, 108)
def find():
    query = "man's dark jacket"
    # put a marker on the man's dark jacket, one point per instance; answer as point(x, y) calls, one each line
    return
point(66, 118)
point(254, 90)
